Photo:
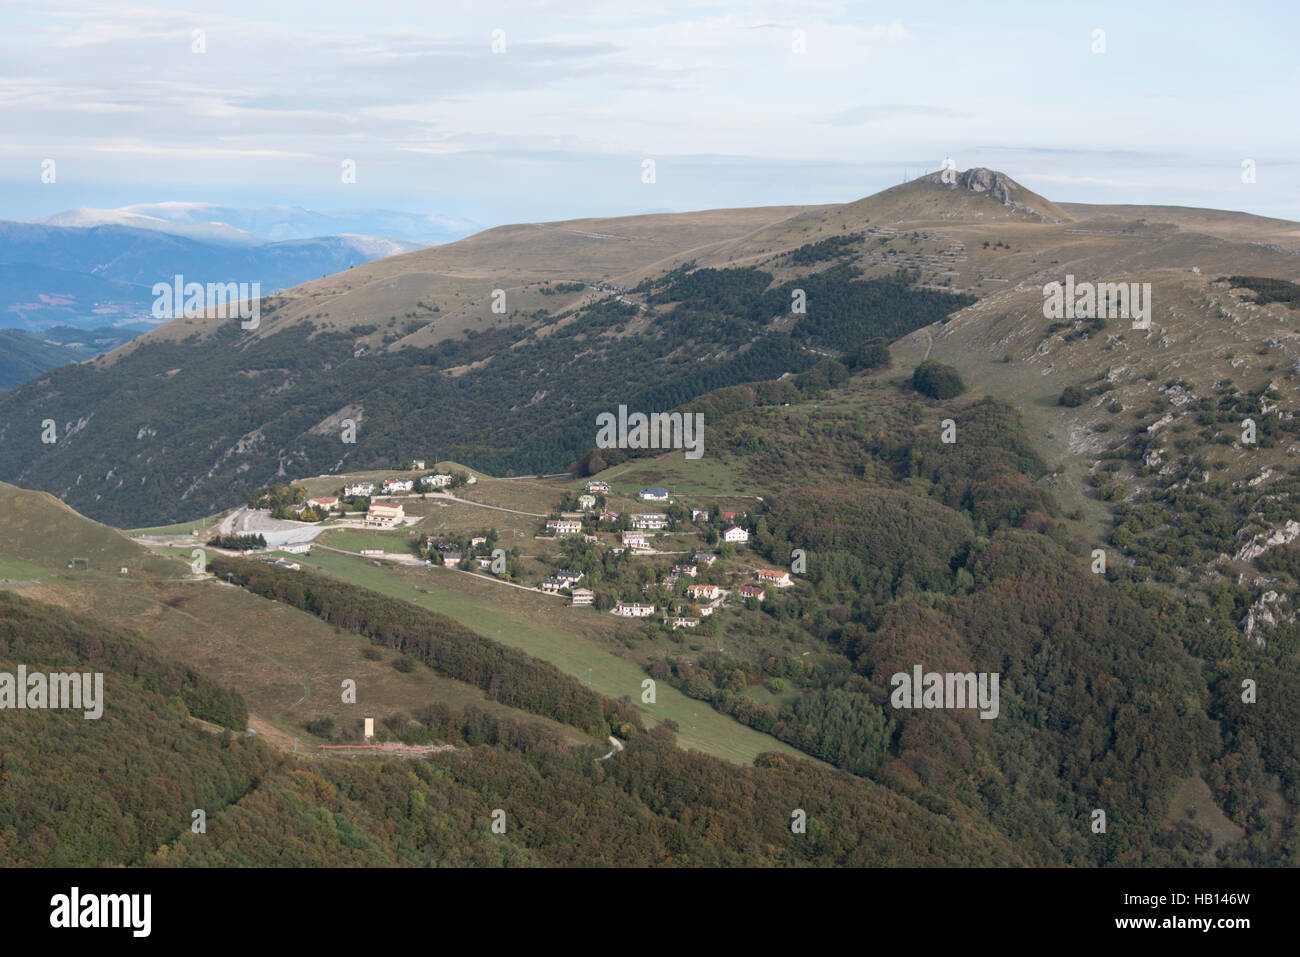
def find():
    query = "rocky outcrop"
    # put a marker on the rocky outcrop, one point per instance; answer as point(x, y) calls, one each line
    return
point(980, 179)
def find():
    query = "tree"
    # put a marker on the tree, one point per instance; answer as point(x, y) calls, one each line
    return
point(1073, 396)
point(872, 354)
point(937, 380)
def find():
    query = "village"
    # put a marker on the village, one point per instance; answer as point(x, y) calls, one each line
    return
point(674, 564)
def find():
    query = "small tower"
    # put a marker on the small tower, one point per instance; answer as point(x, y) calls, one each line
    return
point(370, 727)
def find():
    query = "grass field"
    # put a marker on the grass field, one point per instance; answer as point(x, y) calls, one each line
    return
point(566, 637)
point(200, 525)
point(288, 664)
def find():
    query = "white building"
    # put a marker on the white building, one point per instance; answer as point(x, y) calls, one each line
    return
point(582, 596)
point(385, 516)
point(735, 534)
point(361, 488)
point(297, 548)
point(634, 540)
point(437, 480)
point(778, 578)
point(601, 488)
point(586, 502)
point(650, 520)
point(564, 526)
point(633, 610)
point(398, 485)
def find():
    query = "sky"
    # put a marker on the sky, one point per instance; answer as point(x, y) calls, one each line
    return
point(535, 110)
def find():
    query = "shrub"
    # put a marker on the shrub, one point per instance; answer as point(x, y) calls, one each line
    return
point(1073, 396)
point(937, 380)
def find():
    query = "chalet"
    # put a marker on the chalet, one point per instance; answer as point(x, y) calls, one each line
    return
point(708, 592)
point(398, 485)
point(633, 610)
point(384, 516)
point(553, 583)
point(435, 481)
point(778, 578)
point(750, 591)
point(704, 558)
point(564, 526)
point(699, 515)
point(327, 503)
point(735, 534)
point(582, 596)
point(680, 622)
point(569, 576)
point(450, 559)
point(653, 494)
point(690, 570)
point(634, 540)
point(608, 516)
point(592, 539)
point(586, 502)
point(484, 564)
point(361, 488)
point(650, 520)
point(597, 488)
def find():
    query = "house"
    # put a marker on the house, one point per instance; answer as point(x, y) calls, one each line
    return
point(608, 516)
point(436, 480)
point(384, 516)
point(564, 526)
point(586, 502)
point(553, 583)
point(750, 591)
point(634, 540)
point(778, 578)
point(708, 592)
point(281, 563)
point(732, 516)
point(485, 564)
point(372, 551)
point(569, 576)
point(735, 534)
point(690, 570)
point(653, 494)
point(398, 485)
point(699, 515)
point(450, 559)
point(680, 622)
point(361, 488)
point(325, 504)
point(297, 548)
point(633, 610)
point(417, 465)
point(597, 488)
point(650, 520)
point(704, 558)
point(477, 541)
point(582, 596)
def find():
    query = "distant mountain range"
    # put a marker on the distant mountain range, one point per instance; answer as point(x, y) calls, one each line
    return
point(209, 222)
point(91, 268)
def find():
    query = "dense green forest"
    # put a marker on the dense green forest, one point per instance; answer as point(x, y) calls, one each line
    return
point(121, 790)
point(266, 396)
